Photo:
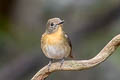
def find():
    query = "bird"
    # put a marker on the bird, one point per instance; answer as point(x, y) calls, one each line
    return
point(55, 43)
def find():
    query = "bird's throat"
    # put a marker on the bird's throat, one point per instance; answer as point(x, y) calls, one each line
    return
point(55, 37)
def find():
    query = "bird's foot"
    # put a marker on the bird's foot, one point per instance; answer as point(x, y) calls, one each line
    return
point(61, 62)
point(49, 64)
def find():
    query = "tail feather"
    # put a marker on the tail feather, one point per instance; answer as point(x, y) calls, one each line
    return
point(71, 56)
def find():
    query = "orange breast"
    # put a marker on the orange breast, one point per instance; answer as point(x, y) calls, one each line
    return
point(54, 45)
point(54, 38)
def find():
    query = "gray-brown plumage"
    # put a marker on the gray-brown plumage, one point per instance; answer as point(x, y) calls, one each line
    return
point(55, 43)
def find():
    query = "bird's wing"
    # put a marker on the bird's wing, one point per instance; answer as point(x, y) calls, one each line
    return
point(69, 42)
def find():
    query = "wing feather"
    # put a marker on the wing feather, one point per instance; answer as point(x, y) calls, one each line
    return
point(69, 42)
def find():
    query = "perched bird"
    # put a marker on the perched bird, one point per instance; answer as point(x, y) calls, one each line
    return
point(55, 43)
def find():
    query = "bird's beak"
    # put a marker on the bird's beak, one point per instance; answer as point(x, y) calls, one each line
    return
point(61, 22)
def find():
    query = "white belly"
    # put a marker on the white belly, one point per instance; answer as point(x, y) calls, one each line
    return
point(55, 52)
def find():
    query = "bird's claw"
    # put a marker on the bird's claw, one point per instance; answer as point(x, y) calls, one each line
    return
point(61, 62)
point(49, 64)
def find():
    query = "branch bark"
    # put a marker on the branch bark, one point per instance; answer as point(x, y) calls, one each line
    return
point(80, 64)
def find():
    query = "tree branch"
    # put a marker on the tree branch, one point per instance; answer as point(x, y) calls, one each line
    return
point(80, 64)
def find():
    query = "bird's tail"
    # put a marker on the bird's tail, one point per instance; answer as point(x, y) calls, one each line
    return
point(71, 56)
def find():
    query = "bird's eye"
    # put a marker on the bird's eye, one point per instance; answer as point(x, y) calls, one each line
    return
point(52, 24)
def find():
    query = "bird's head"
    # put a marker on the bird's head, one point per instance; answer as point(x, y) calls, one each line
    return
point(53, 24)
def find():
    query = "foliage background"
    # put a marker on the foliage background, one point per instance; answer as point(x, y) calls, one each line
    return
point(91, 24)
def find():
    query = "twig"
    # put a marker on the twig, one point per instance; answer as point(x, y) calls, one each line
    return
point(80, 64)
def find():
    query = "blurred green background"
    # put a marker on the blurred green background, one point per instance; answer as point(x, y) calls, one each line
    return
point(91, 24)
